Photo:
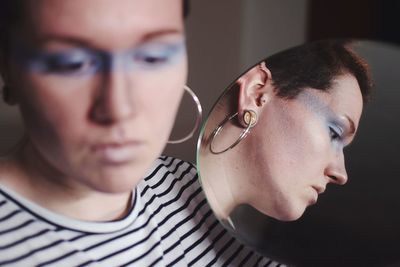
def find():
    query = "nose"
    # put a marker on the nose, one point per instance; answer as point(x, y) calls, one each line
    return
point(336, 170)
point(113, 98)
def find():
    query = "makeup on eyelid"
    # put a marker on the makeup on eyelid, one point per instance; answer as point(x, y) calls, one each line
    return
point(83, 61)
point(345, 126)
point(336, 130)
point(340, 124)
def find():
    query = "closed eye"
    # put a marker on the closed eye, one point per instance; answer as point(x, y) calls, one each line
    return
point(151, 59)
point(61, 65)
point(334, 134)
point(156, 55)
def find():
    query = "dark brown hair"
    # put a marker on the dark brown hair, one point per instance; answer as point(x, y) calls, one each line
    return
point(316, 65)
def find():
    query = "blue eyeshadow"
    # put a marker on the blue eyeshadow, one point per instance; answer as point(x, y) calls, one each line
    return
point(89, 61)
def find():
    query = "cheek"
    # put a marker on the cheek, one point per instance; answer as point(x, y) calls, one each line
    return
point(308, 150)
point(294, 149)
point(160, 98)
point(53, 110)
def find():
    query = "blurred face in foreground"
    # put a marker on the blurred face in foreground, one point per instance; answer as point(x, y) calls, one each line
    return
point(98, 85)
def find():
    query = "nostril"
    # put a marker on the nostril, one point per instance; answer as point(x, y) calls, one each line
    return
point(338, 179)
point(333, 177)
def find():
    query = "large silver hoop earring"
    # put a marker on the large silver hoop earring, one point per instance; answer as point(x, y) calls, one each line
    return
point(198, 118)
point(250, 119)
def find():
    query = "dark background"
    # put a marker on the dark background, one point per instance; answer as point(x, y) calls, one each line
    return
point(358, 224)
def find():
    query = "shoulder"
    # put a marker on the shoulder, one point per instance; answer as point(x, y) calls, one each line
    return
point(172, 165)
point(171, 186)
point(178, 205)
point(169, 174)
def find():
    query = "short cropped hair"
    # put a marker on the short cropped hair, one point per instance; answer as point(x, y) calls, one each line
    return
point(316, 65)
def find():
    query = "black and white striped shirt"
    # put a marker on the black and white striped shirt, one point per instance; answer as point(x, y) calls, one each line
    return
point(170, 224)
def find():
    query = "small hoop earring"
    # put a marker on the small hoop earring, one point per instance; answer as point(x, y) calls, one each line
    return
point(249, 117)
point(198, 119)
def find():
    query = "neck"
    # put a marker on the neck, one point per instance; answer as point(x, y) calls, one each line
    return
point(217, 184)
point(31, 176)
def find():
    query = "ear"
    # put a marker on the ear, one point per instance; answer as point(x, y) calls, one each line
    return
point(255, 91)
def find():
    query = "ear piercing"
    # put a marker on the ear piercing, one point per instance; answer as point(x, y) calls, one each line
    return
point(250, 117)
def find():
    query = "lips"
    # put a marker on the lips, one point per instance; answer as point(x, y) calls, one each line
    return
point(319, 189)
point(117, 153)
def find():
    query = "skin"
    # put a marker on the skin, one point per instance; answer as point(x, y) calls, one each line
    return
point(92, 138)
point(298, 147)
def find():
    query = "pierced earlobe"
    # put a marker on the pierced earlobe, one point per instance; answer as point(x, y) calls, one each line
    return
point(255, 88)
point(250, 118)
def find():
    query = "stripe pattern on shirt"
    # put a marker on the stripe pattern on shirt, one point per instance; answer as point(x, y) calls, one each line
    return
point(170, 224)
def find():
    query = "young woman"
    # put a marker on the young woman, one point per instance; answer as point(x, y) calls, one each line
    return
point(98, 84)
point(275, 140)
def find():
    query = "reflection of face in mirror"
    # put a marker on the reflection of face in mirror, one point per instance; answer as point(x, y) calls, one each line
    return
point(305, 106)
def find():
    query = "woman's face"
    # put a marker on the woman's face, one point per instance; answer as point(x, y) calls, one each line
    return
point(98, 84)
point(298, 146)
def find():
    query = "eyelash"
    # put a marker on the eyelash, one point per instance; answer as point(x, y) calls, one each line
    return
point(151, 60)
point(71, 67)
point(334, 134)
point(157, 57)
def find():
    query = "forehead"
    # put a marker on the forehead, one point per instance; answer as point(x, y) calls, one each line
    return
point(104, 20)
point(344, 98)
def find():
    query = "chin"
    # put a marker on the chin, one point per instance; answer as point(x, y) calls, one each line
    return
point(111, 187)
point(115, 187)
point(290, 213)
point(114, 181)
point(289, 217)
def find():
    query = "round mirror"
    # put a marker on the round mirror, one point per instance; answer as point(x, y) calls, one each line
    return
point(288, 130)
